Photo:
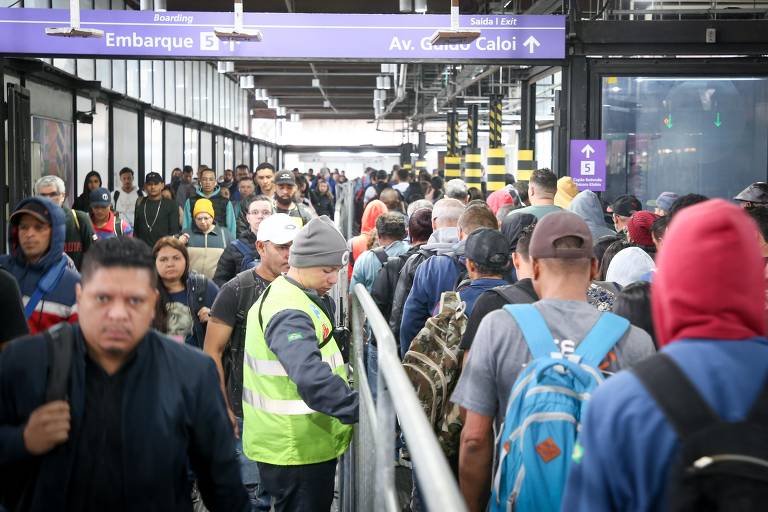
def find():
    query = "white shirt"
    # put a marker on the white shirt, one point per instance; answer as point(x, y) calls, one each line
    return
point(126, 203)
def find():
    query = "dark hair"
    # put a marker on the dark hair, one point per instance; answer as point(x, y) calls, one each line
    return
point(89, 176)
point(634, 304)
point(602, 245)
point(522, 190)
point(170, 189)
point(207, 169)
point(264, 165)
point(524, 241)
point(477, 202)
point(503, 211)
point(475, 194)
point(245, 178)
point(545, 180)
point(610, 252)
point(242, 166)
point(760, 215)
point(436, 182)
point(420, 225)
point(118, 252)
point(659, 227)
point(248, 201)
point(490, 270)
point(509, 179)
point(125, 170)
point(403, 174)
point(188, 169)
point(684, 202)
point(391, 225)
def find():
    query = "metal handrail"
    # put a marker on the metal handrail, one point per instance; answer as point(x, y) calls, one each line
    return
point(396, 398)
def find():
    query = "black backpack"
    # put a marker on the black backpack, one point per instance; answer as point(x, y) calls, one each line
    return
point(234, 351)
point(720, 466)
point(197, 289)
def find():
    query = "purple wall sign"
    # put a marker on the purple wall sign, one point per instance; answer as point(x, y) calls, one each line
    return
point(286, 36)
point(588, 164)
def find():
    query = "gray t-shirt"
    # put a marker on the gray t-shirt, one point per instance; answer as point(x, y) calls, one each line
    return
point(537, 211)
point(499, 353)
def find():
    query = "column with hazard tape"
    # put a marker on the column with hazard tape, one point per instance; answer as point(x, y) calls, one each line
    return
point(496, 167)
point(473, 165)
point(452, 158)
point(525, 164)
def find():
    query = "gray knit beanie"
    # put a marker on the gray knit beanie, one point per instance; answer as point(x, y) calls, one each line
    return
point(319, 244)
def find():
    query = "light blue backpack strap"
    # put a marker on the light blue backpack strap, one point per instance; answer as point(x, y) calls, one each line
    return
point(608, 330)
point(535, 331)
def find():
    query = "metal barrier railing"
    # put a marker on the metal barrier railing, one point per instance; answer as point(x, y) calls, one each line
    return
point(367, 471)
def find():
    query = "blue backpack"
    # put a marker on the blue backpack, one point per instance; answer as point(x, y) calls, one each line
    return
point(544, 412)
point(249, 255)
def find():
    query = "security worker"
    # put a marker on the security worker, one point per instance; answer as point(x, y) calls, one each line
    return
point(297, 406)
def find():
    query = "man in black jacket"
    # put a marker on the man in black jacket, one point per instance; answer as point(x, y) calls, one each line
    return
point(257, 208)
point(141, 412)
point(155, 216)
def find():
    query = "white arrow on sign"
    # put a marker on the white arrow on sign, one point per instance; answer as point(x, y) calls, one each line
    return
point(587, 150)
point(531, 43)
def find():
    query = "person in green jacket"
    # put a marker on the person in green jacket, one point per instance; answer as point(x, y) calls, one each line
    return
point(298, 408)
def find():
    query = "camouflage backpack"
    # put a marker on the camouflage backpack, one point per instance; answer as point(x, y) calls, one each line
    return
point(433, 364)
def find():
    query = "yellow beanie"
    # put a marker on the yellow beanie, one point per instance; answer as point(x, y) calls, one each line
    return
point(566, 191)
point(203, 206)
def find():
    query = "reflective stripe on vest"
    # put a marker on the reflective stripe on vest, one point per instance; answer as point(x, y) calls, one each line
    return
point(282, 407)
point(275, 369)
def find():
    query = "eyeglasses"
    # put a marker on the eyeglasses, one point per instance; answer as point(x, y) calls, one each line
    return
point(50, 194)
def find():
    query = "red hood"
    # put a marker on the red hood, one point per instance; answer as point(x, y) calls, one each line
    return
point(371, 213)
point(709, 283)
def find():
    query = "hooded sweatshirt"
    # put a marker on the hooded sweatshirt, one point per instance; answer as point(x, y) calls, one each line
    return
point(224, 213)
point(58, 304)
point(586, 205)
point(711, 328)
point(359, 244)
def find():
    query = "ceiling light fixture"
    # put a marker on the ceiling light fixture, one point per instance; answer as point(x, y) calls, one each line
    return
point(420, 6)
point(238, 33)
point(455, 35)
point(247, 82)
point(225, 66)
point(74, 29)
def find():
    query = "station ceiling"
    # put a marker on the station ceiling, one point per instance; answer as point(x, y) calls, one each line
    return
point(348, 86)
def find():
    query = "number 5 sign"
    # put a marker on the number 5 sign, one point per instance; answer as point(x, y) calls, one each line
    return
point(588, 164)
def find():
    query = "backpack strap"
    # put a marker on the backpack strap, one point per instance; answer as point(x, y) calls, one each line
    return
point(61, 342)
point(381, 254)
point(116, 196)
point(675, 395)
point(242, 248)
point(46, 283)
point(515, 294)
point(608, 330)
point(118, 225)
point(198, 286)
point(535, 331)
point(245, 280)
point(77, 221)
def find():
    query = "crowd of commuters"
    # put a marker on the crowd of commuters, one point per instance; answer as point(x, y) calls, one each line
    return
point(175, 344)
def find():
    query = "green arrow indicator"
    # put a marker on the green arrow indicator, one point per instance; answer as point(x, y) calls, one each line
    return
point(717, 120)
point(668, 121)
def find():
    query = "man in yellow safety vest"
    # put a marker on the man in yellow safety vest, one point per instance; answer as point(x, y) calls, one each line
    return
point(297, 406)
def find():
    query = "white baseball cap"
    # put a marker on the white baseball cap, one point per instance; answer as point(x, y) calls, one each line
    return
point(278, 228)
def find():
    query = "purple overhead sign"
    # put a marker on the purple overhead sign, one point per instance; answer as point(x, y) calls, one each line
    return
point(588, 164)
point(286, 36)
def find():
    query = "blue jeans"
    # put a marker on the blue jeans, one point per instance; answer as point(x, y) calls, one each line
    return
point(249, 472)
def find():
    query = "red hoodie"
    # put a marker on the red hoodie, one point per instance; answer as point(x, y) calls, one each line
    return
point(709, 283)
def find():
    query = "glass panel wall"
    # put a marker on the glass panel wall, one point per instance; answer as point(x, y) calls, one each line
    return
point(705, 135)
point(206, 148)
point(126, 150)
point(191, 141)
point(174, 149)
point(100, 141)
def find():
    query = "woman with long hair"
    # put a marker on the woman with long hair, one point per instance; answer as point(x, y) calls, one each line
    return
point(91, 182)
point(186, 297)
point(322, 198)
